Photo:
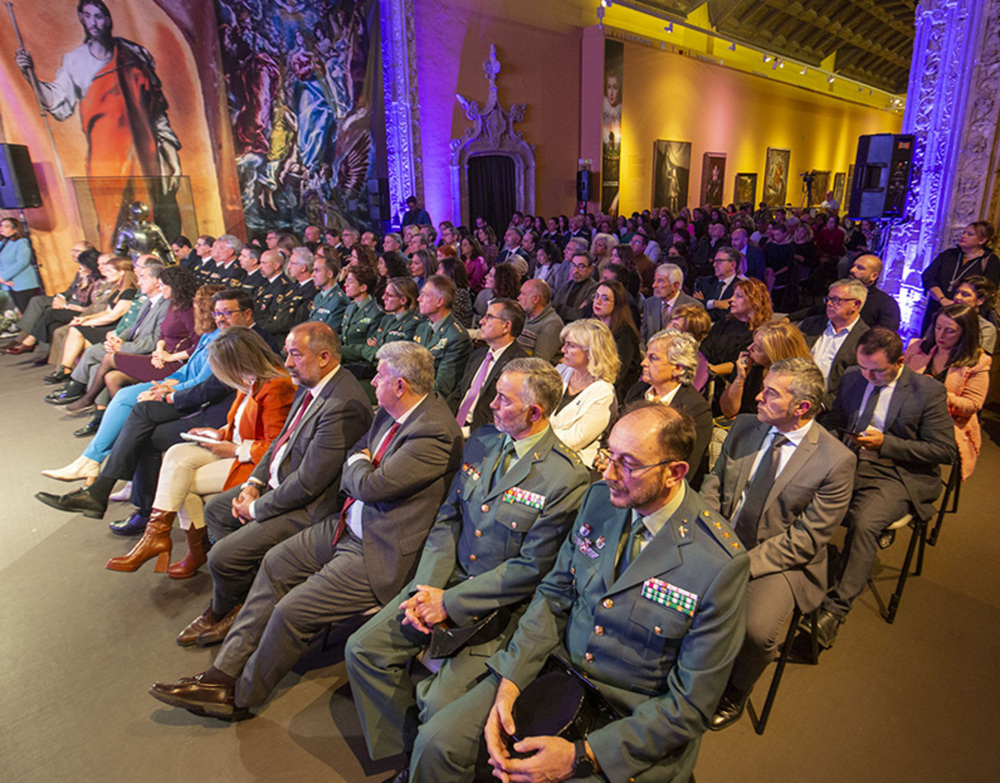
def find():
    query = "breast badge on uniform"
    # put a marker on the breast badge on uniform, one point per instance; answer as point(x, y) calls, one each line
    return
point(471, 472)
point(670, 596)
point(585, 546)
point(524, 497)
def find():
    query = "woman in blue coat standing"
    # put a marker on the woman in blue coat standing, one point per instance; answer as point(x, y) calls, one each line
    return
point(17, 275)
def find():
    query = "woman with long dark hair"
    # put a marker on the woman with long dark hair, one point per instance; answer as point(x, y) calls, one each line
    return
point(611, 308)
point(17, 273)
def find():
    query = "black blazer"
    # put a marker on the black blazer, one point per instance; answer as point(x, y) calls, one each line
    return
point(481, 413)
point(694, 405)
point(847, 356)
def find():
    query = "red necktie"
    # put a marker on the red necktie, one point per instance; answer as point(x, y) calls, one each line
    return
point(281, 441)
point(382, 449)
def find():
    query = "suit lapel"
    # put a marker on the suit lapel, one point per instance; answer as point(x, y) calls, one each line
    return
point(800, 457)
point(900, 393)
point(614, 528)
point(312, 412)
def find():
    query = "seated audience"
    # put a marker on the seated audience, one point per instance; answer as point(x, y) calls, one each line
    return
point(589, 368)
point(395, 478)
point(540, 337)
point(423, 264)
point(749, 307)
point(499, 329)
point(772, 342)
point(979, 293)
point(330, 302)
point(952, 354)
point(521, 459)
point(18, 275)
point(442, 334)
point(781, 269)
point(668, 296)
point(668, 370)
point(898, 421)
point(549, 265)
point(267, 297)
point(973, 256)
point(451, 267)
point(227, 270)
point(578, 289)
point(784, 483)
point(658, 715)
point(475, 264)
point(298, 297)
point(503, 282)
point(717, 291)
point(879, 308)
point(362, 316)
point(694, 320)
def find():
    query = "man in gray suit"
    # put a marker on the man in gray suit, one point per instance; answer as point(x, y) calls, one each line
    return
point(295, 484)
point(668, 295)
point(785, 483)
point(495, 537)
point(396, 478)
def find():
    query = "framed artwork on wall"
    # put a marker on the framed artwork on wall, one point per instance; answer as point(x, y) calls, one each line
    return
point(776, 176)
point(713, 175)
point(819, 187)
point(745, 190)
point(671, 174)
point(839, 180)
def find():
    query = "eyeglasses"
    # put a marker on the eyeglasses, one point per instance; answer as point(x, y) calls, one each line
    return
point(603, 298)
point(490, 316)
point(224, 313)
point(580, 266)
point(628, 469)
point(836, 300)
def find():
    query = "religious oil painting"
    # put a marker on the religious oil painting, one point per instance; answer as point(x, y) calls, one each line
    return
point(671, 174)
point(713, 175)
point(745, 189)
point(776, 176)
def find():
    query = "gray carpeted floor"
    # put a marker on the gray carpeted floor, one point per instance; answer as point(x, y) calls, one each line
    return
point(80, 645)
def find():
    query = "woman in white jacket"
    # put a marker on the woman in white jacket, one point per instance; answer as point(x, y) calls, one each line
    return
point(589, 368)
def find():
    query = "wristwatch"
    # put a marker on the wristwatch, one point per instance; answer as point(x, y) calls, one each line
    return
point(583, 767)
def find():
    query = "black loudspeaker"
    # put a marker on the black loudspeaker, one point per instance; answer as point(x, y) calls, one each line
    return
point(378, 198)
point(881, 176)
point(18, 186)
point(583, 186)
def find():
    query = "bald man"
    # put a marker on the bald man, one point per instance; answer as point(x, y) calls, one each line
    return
point(879, 309)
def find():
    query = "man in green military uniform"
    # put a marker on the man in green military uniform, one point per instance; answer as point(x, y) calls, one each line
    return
point(497, 534)
point(363, 315)
point(330, 302)
point(442, 335)
point(647, 600)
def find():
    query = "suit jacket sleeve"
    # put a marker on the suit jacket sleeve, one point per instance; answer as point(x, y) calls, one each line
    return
point(935, 441)
point(800, 542)
point(335, 432)
point(194, 397)
point(149, 331)
point(274, 402)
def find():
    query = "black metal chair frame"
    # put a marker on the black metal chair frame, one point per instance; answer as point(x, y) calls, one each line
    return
point(952, 494)
point(760, 721)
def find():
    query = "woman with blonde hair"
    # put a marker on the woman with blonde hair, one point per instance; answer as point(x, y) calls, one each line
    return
point(589, 368)
point(771, 342)
point(218, 459)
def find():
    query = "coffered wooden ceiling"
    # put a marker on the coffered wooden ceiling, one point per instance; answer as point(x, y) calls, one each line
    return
point(872, 39)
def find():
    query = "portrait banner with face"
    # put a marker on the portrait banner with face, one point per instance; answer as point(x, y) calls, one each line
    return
point(611, 126)
point(776, 176)
point(713, 175)
point(671, 174)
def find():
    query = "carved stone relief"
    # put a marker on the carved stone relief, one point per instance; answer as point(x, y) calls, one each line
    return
point(492, 133)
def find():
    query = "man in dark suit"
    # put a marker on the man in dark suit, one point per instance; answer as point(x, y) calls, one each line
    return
point(571, 297)
point(785, 483)
point(646, 600)
point(295, 484)
point(396, 476)
point(715, 292)
point(899, 422)
point(833, 339)
point(753, 256)
point(496, 535)
point(880, 309)
point(499, 328)
point(668, 295)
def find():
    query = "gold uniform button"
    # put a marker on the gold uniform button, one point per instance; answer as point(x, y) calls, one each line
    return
point(473, 558)
point(479, 534)
point(608, 603)
point(484, 508)
point(599, 630)
point(588, 657)
point(572, 569)
point(657, 630)
point(513, 525)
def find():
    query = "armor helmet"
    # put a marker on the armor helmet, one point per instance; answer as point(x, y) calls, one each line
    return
point(139, 211)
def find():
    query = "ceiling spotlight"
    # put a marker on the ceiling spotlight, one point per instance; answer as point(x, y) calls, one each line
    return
point(606, 3)
point(767, 58)
point(732, 46)
point(781, 63)
point(830, 79)
point(803, 71)
point(775, 64)
point(670, 27)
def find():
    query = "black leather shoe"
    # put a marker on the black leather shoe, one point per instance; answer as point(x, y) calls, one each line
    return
point(77, 502)
point(64, 396)
point(88, 429)
point(885, 539)
point(57, 377)
point(213, 700)
point(132, 526)
point(827, 627)
point(730, 708)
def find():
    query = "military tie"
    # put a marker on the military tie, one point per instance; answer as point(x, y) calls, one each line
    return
point(757, 491)
point(507, 454)
point(631, 546)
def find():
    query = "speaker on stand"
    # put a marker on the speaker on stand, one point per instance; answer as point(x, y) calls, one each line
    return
point(882, 173)
point(19, 188)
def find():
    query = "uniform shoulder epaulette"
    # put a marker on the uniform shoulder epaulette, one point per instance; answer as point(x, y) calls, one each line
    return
point(567, 452)
point(719, 529)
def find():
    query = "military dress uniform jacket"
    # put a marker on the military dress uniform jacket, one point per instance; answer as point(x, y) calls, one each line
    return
point(231, 276)
point(360, 323)
point(329, 307)
point(267, 299)
point(658, 641)
point(293, 307)
point(392, 328)
point(450, 346)
point(490, 548)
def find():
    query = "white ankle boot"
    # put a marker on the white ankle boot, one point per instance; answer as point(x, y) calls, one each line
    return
point(81, 468)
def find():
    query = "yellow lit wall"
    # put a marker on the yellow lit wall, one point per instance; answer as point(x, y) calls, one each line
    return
point(720, 110)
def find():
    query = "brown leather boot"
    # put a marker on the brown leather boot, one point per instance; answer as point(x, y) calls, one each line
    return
point(187, 566)
point(155, 542)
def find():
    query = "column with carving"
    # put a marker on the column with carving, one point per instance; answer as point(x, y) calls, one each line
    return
point(951, 107)
point(402, 107)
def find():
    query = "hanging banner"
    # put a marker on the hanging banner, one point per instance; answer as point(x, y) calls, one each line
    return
point(611, 130)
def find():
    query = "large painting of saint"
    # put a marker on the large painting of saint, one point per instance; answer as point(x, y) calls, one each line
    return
point(671, 174)
point(300, 89)
point(776, 176)
point(112, 83)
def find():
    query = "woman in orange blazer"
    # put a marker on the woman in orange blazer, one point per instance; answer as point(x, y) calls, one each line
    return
point(215, 460)
point(951, 353)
